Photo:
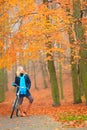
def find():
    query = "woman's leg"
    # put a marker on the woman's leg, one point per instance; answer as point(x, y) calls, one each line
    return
point(20, 107)
point(30, 98)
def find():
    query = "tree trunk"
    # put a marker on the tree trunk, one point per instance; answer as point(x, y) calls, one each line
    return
point(79, 32)
point(35, 84)
point(60, 80)
point(53, 79)
point(83, 69)
point(54, 84)
point(76, 88)
point(5, 80)
point(43, 72)
point(2, 94)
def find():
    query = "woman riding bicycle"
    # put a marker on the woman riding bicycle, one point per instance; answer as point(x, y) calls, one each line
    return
point(23, 81)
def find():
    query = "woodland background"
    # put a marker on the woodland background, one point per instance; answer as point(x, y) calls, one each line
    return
point(49, 38)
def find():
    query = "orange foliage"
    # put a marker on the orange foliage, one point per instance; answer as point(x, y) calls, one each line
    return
point(1, 46)
point(32, 27)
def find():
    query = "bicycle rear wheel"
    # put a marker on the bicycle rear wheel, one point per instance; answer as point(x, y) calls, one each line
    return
point(14, 107)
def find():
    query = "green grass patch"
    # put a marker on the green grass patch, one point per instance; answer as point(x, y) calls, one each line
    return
point(69, 117)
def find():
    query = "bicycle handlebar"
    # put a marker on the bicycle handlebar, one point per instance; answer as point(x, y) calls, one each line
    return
point(14, 84)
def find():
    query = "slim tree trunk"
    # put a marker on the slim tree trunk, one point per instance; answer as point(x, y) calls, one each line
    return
point(43, 72)
point(5, 79)
point(60, 80)
point(2, 30)
point(35, 84)
point(2, 93)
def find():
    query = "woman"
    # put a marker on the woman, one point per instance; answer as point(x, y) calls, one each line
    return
point(21, 83)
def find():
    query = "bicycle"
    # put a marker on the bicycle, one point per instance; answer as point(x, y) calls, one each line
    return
point(15, 106)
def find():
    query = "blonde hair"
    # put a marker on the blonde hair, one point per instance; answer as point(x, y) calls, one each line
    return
point(20, 69)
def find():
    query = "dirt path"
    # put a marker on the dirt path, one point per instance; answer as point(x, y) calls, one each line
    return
point(32, 123)
point(29, 123)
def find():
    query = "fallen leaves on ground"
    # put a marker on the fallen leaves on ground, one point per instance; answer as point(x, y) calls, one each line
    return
point(42, 105)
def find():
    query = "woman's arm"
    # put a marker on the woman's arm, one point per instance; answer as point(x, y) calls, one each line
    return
point(28, 81)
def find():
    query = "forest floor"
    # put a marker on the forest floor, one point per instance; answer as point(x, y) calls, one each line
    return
point(71, 115)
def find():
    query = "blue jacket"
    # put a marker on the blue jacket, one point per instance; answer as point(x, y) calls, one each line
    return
point(27, 81)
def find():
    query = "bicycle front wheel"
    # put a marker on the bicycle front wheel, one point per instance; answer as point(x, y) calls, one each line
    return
point(14, 107)
point(17, 112)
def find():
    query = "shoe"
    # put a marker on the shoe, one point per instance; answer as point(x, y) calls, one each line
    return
point(22, 114)
point(25, 113)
